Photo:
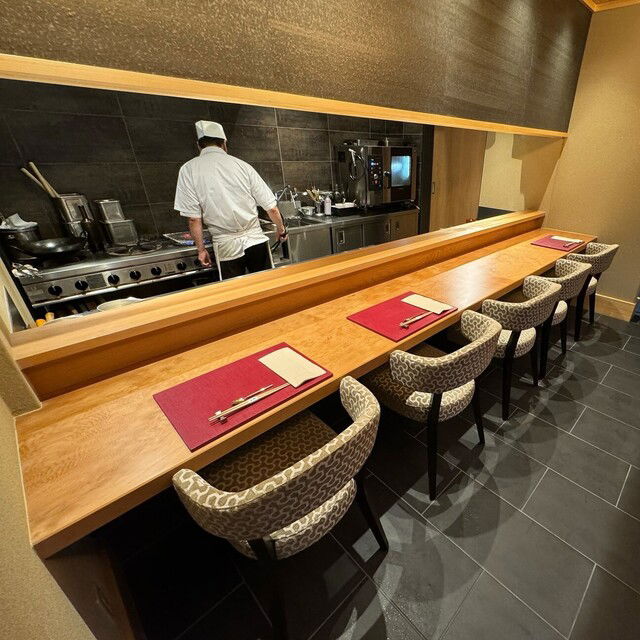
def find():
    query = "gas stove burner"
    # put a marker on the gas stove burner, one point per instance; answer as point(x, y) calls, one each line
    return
point(133, 250)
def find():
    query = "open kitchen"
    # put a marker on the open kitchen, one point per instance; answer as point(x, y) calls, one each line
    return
point(319, 321)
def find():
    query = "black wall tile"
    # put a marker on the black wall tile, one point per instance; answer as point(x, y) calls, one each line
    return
point(162, 140)
point(19, 195)
point(411, 128)
point(253, 144)
point(52, 137)
point(301, 119)
point(165, 107)
point(336, 138)
point(348, 123)
point(271, 173)
point(392, 127)
point(303, 144)
point(160, 180)
point(167, 219)
point(96, 181)
point(303, 175)
point(35, 96)
point(143, 218)
point(8, 151)
point(241, 114)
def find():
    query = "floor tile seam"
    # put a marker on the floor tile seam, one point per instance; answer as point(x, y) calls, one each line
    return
point(443, 635)
point(584, 409)
point(623, 347)
point(622, 488)
point(544, 473)
point(586, 355)
point(584, 595)
point(583, 377)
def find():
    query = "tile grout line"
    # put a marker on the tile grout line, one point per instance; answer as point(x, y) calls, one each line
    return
point(466, 553)
point(534, 488)
point(584, 595)
point(622, 488)
point(622, 348)
point(573, 426)
point(443, 635)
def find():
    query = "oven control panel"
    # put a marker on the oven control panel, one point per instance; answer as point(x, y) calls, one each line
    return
point(375, 172)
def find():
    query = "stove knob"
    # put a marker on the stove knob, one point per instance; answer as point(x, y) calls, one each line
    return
point(181, 266)
point(113, 279)
point(55, 290)
point(82, 285)
point(135, 275)
point(197, 262)
point(156, 271)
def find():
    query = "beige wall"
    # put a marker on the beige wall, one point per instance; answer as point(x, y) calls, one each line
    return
point(32, 605)
point(517, 170)
point(597, 182)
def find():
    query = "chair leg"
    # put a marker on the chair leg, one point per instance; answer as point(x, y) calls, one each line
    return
point(432, 444)
point(507, 366)
point(265, 551)
point(563, 334)
point(579, 310)
point(592, 308)
point(373, 521)
point(477, 414)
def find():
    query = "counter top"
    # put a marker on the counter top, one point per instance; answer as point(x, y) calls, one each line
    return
point(93, 453)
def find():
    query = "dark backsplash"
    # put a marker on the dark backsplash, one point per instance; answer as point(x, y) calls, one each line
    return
point(130, 146)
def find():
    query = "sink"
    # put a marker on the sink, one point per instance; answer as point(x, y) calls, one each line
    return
point(298, 221)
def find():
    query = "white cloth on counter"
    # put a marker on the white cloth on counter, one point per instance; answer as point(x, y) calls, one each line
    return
point(422, 302)
point(224, 191)
point(291, 366)
point(563, 239)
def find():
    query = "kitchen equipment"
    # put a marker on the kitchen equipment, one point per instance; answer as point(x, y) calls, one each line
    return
point(52, 248)
point(13, 233)
point(120, 231)
point(109, 210)
point(374, 175)
point(71, 207)
point(308, 211)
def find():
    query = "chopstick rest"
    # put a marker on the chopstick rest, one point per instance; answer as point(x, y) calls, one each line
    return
point(221, 415)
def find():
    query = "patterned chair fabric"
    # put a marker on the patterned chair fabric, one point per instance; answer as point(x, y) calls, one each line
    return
point(560, 313)
point(526, 340)
point(408, 383)
point(598, 255)
point(591, 287)
point(541, 295)
point(291, 483)
point(570, 275)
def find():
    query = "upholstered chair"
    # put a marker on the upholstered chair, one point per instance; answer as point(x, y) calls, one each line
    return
point(520, 322)
point(429, 386)
point(284, 490)
point(599, 256)
point(571, 276)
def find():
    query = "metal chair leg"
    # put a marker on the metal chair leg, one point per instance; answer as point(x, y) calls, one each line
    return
point(373, 521)
point(477, 414)
point(432, 444)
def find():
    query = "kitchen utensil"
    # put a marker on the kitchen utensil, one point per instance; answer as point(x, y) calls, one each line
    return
point(221, 416)
point(122, 232)
point(70, 207)
point(109, 210)
point(241, 399)
point(34, 179)
point(569, 241)
point(308, 211)
point(407, 322)
point(91, 230)
point(52, 248)
point(50, 190)
point(14, 232)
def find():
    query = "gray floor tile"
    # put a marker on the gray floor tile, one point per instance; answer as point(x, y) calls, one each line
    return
point(366, 614)
point(424, 574)
point(616, 404)
point(580, 364)
point(490, 405)
point(602, 335)
point(610, 354)
point(498, 466)
point(591, 468)
point(408, 479)
point(616, 437)
point(610, 611)
point(603, 533)
point(490, 612)
point(633, 345)
point(545, 403)
point(621, 326)
point(630, 498)
point(622, 380)
point(538, 567)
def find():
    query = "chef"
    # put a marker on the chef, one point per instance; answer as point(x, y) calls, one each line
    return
point(222, 192)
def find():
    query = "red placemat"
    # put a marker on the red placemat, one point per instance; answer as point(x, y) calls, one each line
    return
point(188, 405)
point(385, 318)
point(547, 241)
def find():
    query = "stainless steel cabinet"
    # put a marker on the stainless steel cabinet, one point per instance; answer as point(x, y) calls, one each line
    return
point(347, 237)
point(404, 225)
point(309, 243)
point(376, 231)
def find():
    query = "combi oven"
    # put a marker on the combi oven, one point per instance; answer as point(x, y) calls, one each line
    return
point(374, 174)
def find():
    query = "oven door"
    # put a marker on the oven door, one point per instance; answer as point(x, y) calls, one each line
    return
point(399, 174)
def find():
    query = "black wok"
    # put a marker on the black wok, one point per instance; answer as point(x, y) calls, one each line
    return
point(52, 248)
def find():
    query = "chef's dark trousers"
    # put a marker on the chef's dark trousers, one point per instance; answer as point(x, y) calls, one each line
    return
point(255, 258)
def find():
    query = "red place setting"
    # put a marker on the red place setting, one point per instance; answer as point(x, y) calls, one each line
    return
point(189, 404)
point(385, 318)
point(560, 245)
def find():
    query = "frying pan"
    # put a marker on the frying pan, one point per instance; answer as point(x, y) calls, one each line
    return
point(52, 247)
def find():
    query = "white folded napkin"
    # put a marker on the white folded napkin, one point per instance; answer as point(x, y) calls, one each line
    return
point(422, 302)
point(291, 366)
point(563, 239)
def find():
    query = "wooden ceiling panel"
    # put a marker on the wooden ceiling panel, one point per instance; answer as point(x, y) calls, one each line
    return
point(603, 5)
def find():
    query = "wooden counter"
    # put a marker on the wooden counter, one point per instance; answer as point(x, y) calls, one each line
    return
point(91, 454)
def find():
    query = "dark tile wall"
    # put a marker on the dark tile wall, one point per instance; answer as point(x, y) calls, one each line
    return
point(130, 147)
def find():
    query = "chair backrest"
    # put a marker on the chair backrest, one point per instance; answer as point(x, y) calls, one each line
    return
point(598, 255)
point(443, 373)
point(293, 492)
point(542, 296)
point(571, 276)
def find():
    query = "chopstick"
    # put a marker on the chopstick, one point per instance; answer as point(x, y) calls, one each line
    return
point(221, 416)
point(241, 399)
point(409, 321)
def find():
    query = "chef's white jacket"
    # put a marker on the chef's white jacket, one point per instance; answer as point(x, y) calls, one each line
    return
point(225, 191)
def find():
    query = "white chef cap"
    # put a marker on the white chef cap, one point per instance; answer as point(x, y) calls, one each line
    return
point(209, 129)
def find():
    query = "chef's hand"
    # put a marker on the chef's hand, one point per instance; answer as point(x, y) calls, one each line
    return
point(282, 234)
point(204, 257)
